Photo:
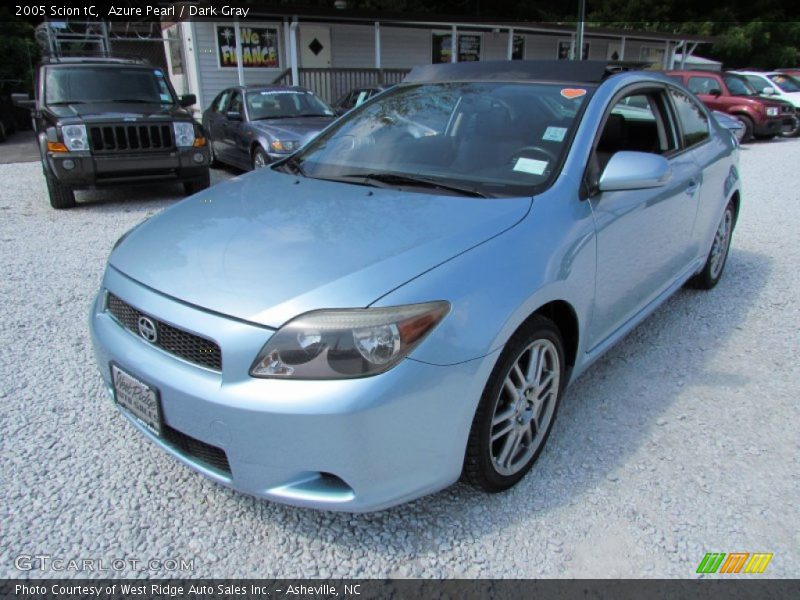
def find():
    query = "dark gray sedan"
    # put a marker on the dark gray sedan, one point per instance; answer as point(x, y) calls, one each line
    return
point(250, 127)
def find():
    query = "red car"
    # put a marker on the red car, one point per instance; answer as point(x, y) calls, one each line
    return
point(794, 72)
point(763, 118)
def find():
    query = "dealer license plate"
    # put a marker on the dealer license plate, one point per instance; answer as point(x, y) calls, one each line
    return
point(137, 398)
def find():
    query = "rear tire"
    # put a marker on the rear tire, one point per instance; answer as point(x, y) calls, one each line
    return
point(61, 196)
point(197, 185)
point(517, 409)
point(718, 255)
point(3, 134)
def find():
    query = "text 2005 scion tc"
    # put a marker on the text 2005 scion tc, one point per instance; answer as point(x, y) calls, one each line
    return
point(402, 302)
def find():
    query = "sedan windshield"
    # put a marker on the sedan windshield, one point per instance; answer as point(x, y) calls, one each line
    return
point(285, 104)
point(477, 139)
point(98, 84)
point(786, 83)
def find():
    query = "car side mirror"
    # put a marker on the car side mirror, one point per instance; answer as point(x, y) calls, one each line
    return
point(187, 100)
point(768, 91)
point(634, 171)
point(23, 101)
point(716, 93)
point(233, 115)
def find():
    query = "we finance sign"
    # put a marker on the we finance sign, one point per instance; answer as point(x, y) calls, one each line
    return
point(259, 47)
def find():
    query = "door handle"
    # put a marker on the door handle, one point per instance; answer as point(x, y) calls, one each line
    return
point(691, 188)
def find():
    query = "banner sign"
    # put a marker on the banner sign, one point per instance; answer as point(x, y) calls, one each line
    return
point(259, 47)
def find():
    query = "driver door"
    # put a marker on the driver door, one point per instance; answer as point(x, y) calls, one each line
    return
point(643, 236)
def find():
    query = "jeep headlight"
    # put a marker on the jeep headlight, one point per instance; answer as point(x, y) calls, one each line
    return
point(772, 111)
point(344, 344)
point(184, 134)
point(75, 137)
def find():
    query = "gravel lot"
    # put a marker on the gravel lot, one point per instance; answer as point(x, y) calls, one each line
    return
point(682, 440)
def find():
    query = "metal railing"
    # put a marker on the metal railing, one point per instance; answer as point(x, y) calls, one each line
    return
point(330, 84)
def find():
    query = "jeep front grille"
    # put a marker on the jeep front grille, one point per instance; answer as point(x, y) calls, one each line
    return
point(130, 138)
point(185, 345)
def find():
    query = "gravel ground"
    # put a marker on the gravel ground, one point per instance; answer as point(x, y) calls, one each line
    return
point(682, 440)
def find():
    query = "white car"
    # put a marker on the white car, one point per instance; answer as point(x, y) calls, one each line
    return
point(776, 85)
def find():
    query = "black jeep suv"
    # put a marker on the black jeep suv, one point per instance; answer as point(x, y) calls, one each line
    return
point(104, 121)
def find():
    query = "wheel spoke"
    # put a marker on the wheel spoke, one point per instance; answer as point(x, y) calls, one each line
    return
point(509, 445)
point(535, 364)
point(508, 427)
point(510, 388)
point(520, 376)
point(504, 416)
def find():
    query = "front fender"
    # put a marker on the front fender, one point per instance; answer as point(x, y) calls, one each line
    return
point(496, 286)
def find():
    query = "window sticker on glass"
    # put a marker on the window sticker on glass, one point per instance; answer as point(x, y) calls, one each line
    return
point(572, 93)
point(554, 134)
point(530, 165)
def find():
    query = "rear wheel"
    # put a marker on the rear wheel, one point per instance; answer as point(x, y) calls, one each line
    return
point(517, 408)
point(748, 128)
point(718, 256)
point(3, 134)
point(61, 196)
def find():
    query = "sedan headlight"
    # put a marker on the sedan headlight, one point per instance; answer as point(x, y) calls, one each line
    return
point(75, 137)
point(284, 146)
point(772, 111)
point(342, 344)
point(184, 134)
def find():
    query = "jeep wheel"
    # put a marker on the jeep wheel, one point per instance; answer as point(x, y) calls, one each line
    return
point(748, 128)
point(61, 196)
point(197, 185)
point(2, 132)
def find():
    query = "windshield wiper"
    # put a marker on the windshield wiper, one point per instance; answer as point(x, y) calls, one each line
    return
point(65, 102)
point(392, 179)
point(294, 166)
point(132, 101)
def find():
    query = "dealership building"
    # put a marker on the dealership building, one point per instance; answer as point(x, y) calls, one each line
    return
point(332, 51)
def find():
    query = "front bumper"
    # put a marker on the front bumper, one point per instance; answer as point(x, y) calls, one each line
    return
point(351, 445)
point(90, 170)
point(774, 125)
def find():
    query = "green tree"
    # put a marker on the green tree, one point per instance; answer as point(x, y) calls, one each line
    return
point(18, 52)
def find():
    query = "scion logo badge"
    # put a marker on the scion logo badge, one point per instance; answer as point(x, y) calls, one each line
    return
point(736, 562)
point(147, 329)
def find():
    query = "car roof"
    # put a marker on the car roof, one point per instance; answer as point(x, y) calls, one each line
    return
point(270, 88)
point(71, 61)
point(573, 71)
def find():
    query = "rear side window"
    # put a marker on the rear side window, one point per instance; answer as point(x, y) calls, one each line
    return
point(704, 85)
point(694, 123)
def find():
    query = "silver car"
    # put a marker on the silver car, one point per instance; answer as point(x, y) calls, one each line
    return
point(250, 127)
point(401, 303)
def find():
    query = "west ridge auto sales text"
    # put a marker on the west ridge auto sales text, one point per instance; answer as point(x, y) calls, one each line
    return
point(175, 591)
point(178, 11)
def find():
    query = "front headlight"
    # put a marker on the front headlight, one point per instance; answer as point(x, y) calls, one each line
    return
point(342, 344)
point(772, 111)
point(75, 137)
point(284, 146)
point(184, 134)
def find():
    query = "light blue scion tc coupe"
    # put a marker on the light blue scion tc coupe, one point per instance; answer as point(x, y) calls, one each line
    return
point(402, 302)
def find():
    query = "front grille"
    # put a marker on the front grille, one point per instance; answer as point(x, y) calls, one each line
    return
point(188, 346)
point(130, 138)
point(202, 452)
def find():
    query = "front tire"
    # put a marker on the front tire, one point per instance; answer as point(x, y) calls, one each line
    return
point(517, 409)
point(718, 255)
point(61, 196)
point(749, 126)
point(260, 159)
point(197, 185)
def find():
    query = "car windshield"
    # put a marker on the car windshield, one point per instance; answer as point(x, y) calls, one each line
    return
point(739, 86)
point(486, 139)
point(92, 84)
point(786, 83)
point(282, 104)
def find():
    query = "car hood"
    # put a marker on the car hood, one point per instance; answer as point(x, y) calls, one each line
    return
point(108, 111)
point(300, 128)
point(267, 246)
